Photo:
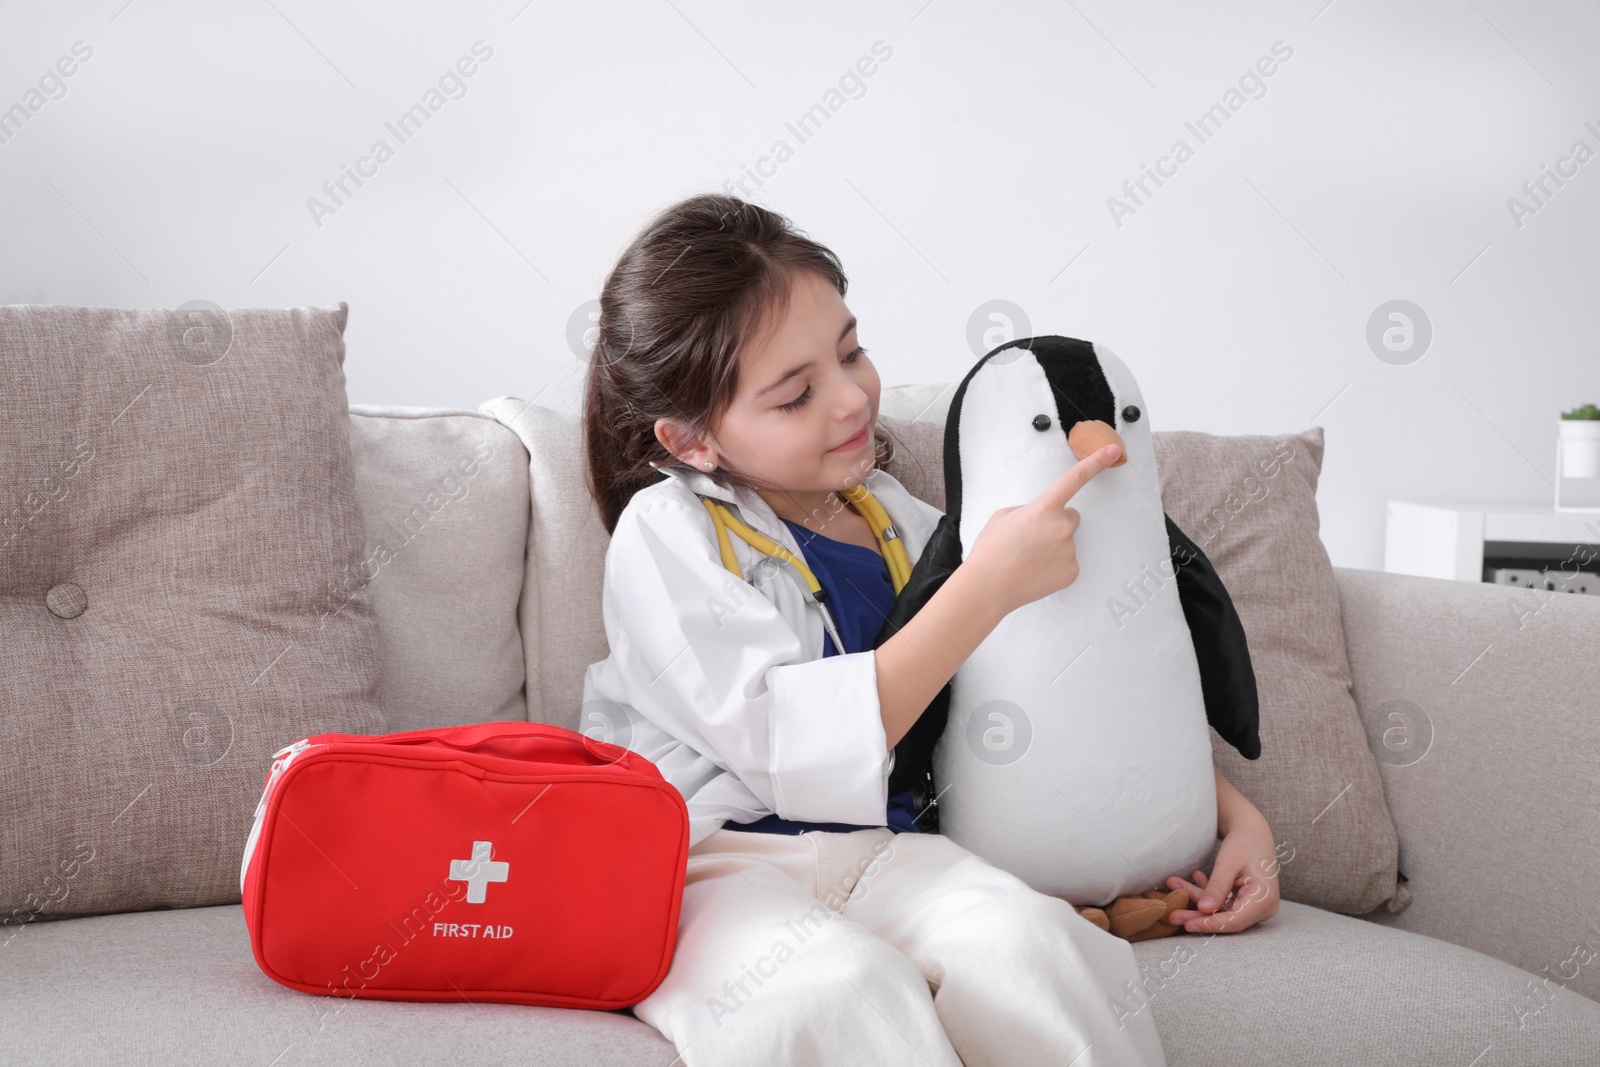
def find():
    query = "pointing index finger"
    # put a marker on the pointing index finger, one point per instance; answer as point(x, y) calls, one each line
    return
point(1077, 476)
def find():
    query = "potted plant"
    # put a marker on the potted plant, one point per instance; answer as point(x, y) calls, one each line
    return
point(1580, 442)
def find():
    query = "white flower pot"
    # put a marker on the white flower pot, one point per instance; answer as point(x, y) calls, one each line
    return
point(1580, 448)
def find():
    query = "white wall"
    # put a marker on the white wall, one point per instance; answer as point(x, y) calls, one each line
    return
point(974, 164)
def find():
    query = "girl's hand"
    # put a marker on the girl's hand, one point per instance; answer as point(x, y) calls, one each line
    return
point(1027, 550)
point(1243, 886)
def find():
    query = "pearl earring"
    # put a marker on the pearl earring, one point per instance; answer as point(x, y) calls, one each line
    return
point(710, 465)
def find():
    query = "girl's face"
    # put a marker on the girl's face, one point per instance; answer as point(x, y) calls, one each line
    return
point(807, 403)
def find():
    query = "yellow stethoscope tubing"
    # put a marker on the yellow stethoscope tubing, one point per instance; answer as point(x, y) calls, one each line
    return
point(894, 549)
point(889, 540)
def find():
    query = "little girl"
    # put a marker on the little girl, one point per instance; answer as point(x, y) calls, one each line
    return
point(731, 434)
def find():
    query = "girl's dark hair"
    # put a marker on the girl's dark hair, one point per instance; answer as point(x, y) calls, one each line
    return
point(702, 279)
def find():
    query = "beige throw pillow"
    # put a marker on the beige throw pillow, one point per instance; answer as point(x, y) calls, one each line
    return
point(178, 522)
point(1250, 503)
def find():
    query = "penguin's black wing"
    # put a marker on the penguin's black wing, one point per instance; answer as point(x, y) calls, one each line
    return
point(1227, 679)
point(913, 760)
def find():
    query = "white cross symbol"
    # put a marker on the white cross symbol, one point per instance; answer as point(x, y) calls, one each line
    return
point(478, 872)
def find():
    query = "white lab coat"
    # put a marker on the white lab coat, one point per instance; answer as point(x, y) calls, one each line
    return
point(722, 683)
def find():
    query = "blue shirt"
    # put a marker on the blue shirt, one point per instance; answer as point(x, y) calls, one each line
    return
point(859, 594)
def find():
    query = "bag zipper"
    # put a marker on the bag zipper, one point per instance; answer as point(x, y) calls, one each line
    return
point(286, 755)
point(280, 760)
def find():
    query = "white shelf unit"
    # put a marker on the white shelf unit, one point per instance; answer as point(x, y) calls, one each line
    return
point(1455, 540)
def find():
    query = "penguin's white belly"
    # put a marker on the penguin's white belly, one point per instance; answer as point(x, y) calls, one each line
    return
point(1077, 754)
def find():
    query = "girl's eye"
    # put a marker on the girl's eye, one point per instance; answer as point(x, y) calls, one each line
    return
point(799, 401)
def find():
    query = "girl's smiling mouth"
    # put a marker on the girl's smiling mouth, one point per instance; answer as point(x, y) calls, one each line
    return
point(855, 442)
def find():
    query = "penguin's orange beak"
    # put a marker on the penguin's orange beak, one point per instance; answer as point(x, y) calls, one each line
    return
point(1089, 437)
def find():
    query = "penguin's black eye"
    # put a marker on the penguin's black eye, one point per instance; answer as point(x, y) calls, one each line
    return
point(1130, 414)
point(1041, 422)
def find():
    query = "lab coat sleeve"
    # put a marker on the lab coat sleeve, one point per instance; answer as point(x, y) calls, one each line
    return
point(711, 660)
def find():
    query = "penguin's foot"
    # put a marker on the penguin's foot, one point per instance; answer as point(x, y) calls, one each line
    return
point(1096, 916)
point(1132, 916)
point(1166, 902)
point(1138, 918)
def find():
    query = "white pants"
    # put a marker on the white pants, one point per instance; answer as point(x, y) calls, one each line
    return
point(826, 949)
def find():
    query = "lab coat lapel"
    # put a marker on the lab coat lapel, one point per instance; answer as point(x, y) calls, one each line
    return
point(752, 510)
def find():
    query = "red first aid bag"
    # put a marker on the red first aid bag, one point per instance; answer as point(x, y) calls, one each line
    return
point(507, 861)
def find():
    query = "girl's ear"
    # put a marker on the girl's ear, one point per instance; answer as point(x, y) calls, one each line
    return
point(669, 433)
point(678, 440)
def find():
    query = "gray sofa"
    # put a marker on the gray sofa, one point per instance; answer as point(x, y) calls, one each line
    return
point(490, 611)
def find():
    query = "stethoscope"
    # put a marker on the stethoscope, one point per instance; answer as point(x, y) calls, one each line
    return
point(864, 503)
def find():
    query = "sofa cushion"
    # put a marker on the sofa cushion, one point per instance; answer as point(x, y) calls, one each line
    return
point(562, 629)
point(182, 987)
point(180, 504)
point(1479, 703)
point(444, 495)
point(1308, 986)
point(1305, 986)
point(1249, 502)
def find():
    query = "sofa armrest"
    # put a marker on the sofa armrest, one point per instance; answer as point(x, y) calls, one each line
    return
point(1480, 705)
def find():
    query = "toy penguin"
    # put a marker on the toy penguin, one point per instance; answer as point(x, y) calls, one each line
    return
point(1071, 747)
